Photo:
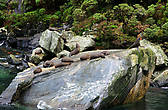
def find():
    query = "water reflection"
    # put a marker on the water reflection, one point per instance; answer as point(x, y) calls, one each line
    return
point(155, 99)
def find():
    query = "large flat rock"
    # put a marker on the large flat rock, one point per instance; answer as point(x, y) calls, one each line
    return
point(92, 84)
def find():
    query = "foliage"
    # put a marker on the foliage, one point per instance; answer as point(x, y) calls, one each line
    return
point(2, 18)
point(97, 17)
point(79, 14)
point(165, 28)
point(150, 21)
point(76, 3)
point(154, 33)
point(139, 12)
point(123, 12)
point(80, 27)
point(67, 14)
point(89, 6)
point(121, 21)
point(31, 19)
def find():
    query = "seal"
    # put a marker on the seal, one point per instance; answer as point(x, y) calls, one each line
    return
point(106, 53)
point(85, 57)
point(67, 59)
point(76, 50)
point(97, 55)
point(37, 70)
point(38, 51)
point(48, 64)
point(61, 64)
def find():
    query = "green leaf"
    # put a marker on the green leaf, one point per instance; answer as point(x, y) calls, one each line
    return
point(37, 1)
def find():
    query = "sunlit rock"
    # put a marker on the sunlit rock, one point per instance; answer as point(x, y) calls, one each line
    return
point(51, 41)
point(84, 42)
point(38, 55)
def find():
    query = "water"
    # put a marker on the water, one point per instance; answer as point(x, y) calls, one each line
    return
point(6, 77)
point(6, 74)
point(155, 99)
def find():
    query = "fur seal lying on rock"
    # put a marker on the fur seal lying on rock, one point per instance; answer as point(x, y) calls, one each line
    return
point(76, 50)
point(37, 70)
point(38, 51)
point(85, 57)
point(97, 55)
point(61, 64)
point(48, 64)
point(93, 55)
point(67, 59)
point(106, 53)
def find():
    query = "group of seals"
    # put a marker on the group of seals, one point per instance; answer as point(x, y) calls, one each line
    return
point(64, 62)
point(68, 60)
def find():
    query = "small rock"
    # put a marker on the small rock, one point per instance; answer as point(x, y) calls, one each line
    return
point(37, 55)
point(67, 35)
point(13, 60)
point(63, 54)
point(84, 42)
point(3, 30)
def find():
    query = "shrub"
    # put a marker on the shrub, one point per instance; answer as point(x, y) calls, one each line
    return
point(2, 18)
point(89, 6)
point(98, 17)
point(165, 28)
point(150, 21)
point(123, 12)
point(153, 34)
point(79, 14)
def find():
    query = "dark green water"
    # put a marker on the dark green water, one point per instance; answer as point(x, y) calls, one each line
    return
point(156, 99)
point(6, 74)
